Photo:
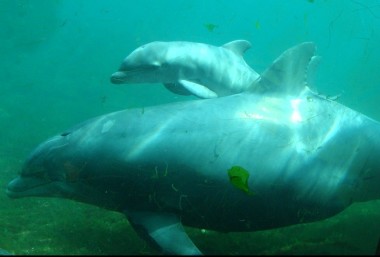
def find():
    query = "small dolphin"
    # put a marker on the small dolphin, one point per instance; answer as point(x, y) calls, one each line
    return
point(203, 70)
point(263, 159)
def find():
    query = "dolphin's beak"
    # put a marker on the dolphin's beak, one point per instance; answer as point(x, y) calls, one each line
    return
point(21, 187)
point(136, 74)
point(118, 77)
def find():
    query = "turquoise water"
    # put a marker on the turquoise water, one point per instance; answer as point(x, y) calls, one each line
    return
point(56, 60)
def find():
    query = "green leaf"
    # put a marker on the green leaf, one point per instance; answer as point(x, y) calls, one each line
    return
point(239, 178)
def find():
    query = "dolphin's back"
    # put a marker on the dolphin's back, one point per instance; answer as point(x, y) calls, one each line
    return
point(223, 68)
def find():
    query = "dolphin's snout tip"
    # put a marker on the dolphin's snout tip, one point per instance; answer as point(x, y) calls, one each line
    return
point(117, 77)
point(10, 194)
point(11, 189)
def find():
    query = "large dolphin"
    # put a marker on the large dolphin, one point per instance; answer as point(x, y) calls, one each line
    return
point(258, 160)
point(203, 70)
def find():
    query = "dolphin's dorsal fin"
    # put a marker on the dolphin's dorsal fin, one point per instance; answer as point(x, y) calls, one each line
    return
point(238, 46)
point(312, 70)
point(287, 74)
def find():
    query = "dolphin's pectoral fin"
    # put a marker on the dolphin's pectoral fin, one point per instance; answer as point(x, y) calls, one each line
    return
point(163, 230)
point(177, 89)
point(288, 73)
point(238, 46)
point(197, 89)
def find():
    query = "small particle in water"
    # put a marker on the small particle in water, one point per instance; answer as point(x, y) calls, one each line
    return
point(103, 99)
point(210, 26)
point(257, 25)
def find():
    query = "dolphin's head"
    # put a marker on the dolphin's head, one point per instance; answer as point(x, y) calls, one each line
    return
point(145, 64)
point(40, 176)
point(55, 168)
point(65, 167)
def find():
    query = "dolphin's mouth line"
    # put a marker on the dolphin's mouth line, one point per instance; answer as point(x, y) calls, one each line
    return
point(29, 188)
point(117, 80)
point(123, 77)
point(15, 190)
point(133, 70)
point(139, 69)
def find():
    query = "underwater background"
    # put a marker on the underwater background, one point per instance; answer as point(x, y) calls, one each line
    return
point(56, 60)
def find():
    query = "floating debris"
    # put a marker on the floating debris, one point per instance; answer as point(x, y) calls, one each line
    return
point(210, 26)
point(257, 24)
point(239, 178)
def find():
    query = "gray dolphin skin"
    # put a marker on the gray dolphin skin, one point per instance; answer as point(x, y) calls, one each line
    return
point(4, 252)
point(275, 156)
point(203, 70)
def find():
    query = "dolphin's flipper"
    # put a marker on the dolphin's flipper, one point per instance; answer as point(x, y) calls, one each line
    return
point(238, 46)
point(287, 74)
point(197, 89)
point(163, 230)
point(177, 89)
